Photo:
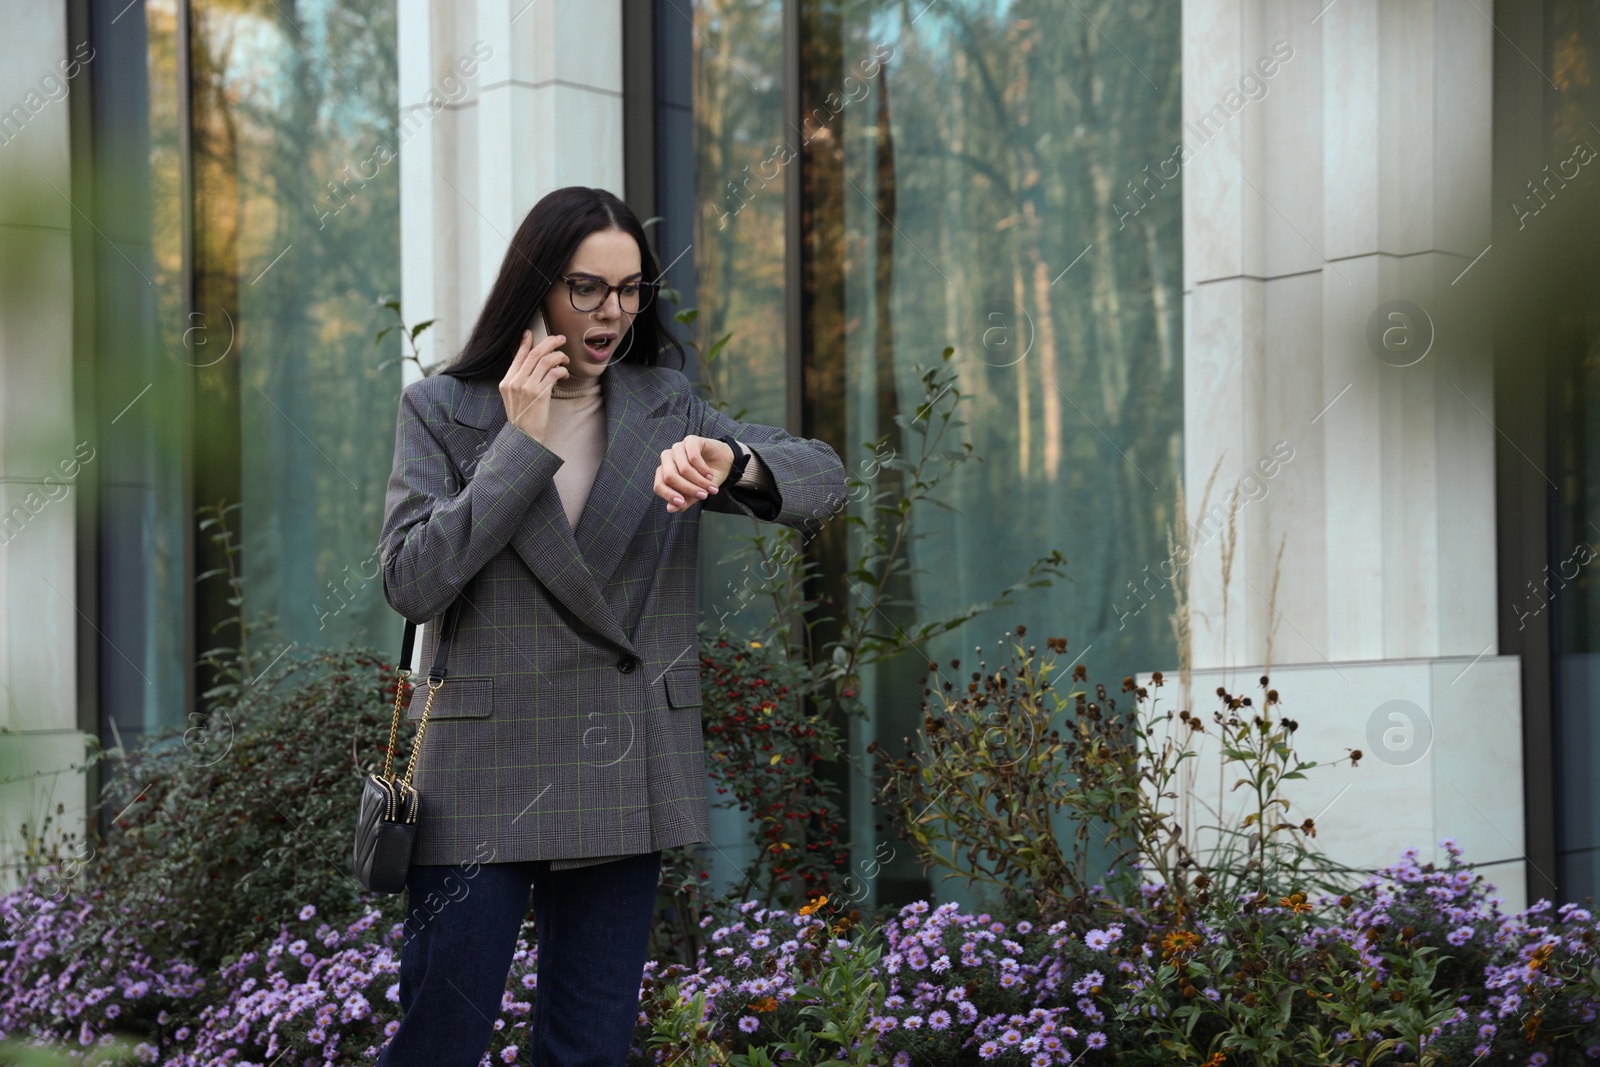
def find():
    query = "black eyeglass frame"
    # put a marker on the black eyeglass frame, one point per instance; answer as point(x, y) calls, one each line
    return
point(647, 292)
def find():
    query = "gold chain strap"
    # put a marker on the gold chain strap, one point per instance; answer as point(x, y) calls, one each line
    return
point(422, 728)
point(402, 672)
point(397, 795)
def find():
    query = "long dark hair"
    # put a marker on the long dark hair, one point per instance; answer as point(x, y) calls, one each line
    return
point(539, 253)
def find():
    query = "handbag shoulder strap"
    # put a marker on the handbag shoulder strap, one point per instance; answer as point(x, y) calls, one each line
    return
point(447, 628)
point(436, 675)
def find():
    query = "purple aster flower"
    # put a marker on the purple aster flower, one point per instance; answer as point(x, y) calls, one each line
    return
point(749, 1024)
point(1095, 1039)
point(939, 1019)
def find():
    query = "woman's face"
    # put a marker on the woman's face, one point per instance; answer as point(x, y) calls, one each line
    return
point(607, 257)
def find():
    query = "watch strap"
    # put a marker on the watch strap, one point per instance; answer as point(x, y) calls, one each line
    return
point(741, 459)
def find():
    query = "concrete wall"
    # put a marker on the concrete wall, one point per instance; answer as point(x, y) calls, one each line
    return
point(39, 466)
point(1354, 175)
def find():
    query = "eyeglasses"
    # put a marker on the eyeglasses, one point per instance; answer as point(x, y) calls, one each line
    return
point(588, 294)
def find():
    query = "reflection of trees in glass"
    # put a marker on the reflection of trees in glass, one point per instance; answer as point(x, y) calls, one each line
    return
point(740, 175)
point(156, 420)
point(1553, 309)
point(1004, 211)
point(297, 236)
point(738, 255)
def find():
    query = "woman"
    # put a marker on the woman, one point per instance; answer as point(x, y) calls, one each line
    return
point(549, 484)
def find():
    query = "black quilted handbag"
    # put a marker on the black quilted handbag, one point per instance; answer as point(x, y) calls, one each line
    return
point(386, 822)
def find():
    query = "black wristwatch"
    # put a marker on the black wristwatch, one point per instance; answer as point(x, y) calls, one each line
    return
point(741, 459)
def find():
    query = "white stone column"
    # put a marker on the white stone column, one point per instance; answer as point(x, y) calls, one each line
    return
point(1355, 174)
point(39, 463)
point(502, 101)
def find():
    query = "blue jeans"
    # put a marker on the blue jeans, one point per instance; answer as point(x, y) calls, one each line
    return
point(593, 926)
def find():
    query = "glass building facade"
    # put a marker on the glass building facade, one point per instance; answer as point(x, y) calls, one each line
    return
point(1557, 337)
point(843, 191)
point(246, 180)
point(956, 165)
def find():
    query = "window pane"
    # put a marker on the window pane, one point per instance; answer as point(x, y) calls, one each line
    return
point(735, 54)
point(976, 178)
point(1568, 313)
point(139, 368)
point(297, 219)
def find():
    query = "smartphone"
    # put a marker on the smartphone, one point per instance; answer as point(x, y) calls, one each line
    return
point(537, 326)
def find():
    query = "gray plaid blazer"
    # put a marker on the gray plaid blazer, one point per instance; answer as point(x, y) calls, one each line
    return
point(568, 723)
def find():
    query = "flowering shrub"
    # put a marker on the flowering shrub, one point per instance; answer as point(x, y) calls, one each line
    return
point(955, 988)
point(1524, 987)
point(1241, 955)
point(222, 837)
point(1416, 965)
point(52, 994)
point(1019, 994)
point(762, 749)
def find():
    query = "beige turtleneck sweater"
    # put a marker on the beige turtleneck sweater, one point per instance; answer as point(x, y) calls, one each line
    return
point(576, 431)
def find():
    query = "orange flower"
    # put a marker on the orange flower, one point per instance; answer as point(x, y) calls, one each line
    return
point(1179, 941)
point(1295, 902)
point(764, 1004)
point(814, 905)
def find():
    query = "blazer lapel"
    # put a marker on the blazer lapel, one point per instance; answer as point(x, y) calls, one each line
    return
point(576, 565)
point(635, 439)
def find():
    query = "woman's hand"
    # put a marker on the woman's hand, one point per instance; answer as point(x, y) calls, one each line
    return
point(691, 470)
point(525, 390)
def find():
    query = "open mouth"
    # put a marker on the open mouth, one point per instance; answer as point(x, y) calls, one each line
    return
point(600, 343)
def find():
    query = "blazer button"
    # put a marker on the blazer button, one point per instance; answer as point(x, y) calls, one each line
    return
point(626, 665)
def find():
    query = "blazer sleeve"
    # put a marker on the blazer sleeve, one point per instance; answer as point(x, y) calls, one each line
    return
point(808, 479)
point(433, 544)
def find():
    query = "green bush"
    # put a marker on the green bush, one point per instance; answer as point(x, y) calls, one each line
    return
point(229, 838)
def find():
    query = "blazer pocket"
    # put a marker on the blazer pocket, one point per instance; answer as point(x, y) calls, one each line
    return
point(683, 686)
point(457, 698)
